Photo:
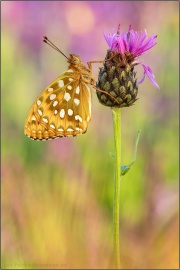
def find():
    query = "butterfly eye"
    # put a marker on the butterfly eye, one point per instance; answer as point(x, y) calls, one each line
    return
point(74, 59)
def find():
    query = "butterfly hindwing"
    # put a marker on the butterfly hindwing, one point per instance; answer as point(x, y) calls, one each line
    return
point(62, 109)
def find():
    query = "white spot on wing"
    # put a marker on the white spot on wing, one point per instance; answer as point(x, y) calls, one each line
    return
point(52, 96)
point(70, 79)
point(52, 126)
point(76, 101)
point(67, 96)
point(70, 112)
point(39, 102)
point(33, 118)
point(77, 90)
point(78, 117)
point(70, 129)
point(55, 112)
point(45, 120)
point(60, 129)
point(61, 83)
point(50, 89)
point(70, 70)
point(69, 87)
point(62, 113)
point(40, 112)
point(55, 103)
point(89, 98)
point(78, 129)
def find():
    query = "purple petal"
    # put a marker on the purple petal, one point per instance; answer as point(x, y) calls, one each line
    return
point(121, 45)
point(108, 39)
point(148, 44)
point(149, 73)
point(126, 45)
point(142, 80)
point(144, 35)
point(132, 41)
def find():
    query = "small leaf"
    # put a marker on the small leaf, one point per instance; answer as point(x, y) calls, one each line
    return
point(126, 168)
point(135, 148)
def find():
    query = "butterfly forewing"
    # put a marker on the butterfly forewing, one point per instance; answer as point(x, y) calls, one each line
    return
point(62, 109)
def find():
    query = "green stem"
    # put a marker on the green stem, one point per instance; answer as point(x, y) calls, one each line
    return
point(117, 140)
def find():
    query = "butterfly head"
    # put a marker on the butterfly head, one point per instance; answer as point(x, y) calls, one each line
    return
point(74, 59)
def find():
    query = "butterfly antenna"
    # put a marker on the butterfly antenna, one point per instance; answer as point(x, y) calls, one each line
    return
point(47, 41)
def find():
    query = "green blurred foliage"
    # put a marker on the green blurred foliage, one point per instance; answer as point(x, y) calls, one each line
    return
point(57, 196)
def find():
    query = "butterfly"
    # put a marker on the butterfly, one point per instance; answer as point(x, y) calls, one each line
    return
point(63, 109)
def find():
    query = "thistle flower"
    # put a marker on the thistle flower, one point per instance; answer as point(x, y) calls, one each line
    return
point(117, 76)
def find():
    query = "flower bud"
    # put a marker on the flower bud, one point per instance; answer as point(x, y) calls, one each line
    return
point(117, 78)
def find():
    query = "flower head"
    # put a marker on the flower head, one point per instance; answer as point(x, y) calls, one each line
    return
point(117, 77)
point(134, 44)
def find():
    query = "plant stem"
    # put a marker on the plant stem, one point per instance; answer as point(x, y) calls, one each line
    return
point(117, 140)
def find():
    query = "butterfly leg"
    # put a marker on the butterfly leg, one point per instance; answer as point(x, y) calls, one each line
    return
point(101, 61)
point(105, 93)
point(93, 82)
point(93, 62)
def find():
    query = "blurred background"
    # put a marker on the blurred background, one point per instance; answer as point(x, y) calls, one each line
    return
point(57, 196)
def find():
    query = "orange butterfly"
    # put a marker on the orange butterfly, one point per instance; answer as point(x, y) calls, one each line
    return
point(64, 107)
